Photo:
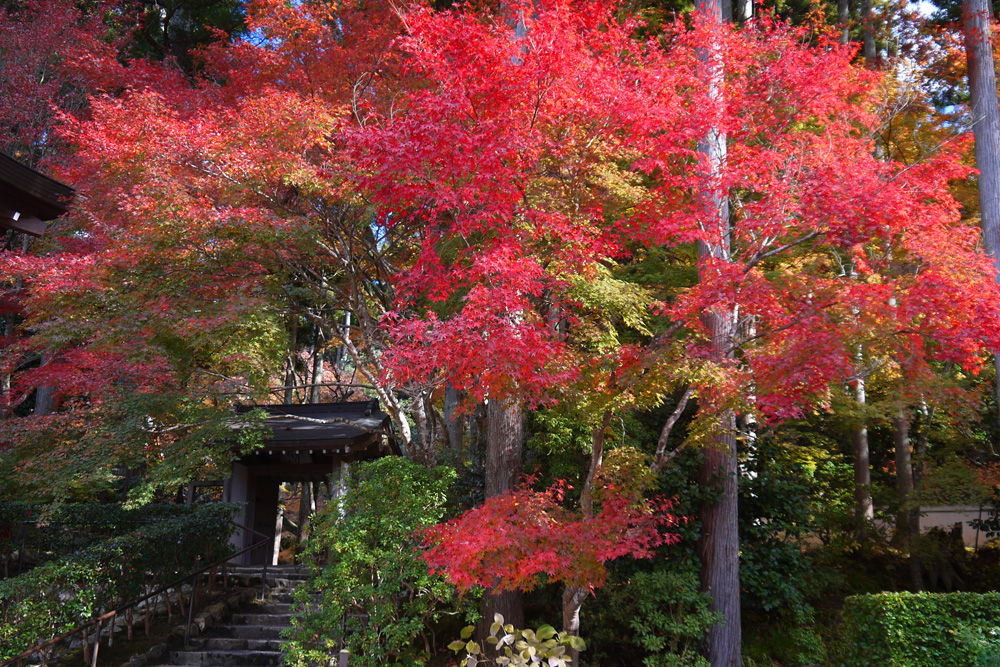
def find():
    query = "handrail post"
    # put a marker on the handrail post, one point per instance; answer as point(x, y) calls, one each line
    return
point(263, 579)
point(344, 654)
point(187, 632)
point(97, 645)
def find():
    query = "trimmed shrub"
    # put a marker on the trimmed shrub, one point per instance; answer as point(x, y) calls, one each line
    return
point(921, 630)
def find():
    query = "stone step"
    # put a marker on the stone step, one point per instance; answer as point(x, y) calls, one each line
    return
point(227, 658)
point(262, 619)
point(238, 644)
point(248, 631)
point(273, 608)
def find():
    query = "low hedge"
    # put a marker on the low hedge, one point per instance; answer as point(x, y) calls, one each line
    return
point(921, 630)
point(59, 595)
point(50, 532)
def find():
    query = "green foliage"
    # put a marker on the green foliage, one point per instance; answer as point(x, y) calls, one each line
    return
point(921, 629)
point(655, 617)
point(61, 594)
point(670, 618)
point(50, 532)
point(950, 482)
point(518, 648)
point(376, 595)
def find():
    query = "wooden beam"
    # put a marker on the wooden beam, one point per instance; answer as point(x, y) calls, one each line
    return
point(26, 224)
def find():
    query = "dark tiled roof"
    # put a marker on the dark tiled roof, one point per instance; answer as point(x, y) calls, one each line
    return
point(31, 193)
point(319, 425)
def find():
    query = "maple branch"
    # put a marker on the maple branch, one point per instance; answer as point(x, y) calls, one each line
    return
point(661, 458)
point(760, 256)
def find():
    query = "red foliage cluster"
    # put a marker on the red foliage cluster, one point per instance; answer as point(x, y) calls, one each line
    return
point(522, 538)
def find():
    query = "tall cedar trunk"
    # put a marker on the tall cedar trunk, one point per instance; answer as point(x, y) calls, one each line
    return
point(906, 531)
point(504, 435)
point(986, 126)
point(844, 20)
point(868, 32)
point(718, 544)
point(455, 422)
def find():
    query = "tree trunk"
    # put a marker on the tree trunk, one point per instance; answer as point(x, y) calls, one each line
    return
point(742, 11)
point(868, 32)
point(572, 600)
point(279, 525)
point(307, 505)
point(985, 127)
point(864, 511)
point(422, 448)
point(504, 440)
point(315, 391)
point(718, 545)
point(45, 395)
point(844, 20)
point(906, 531)
point(293, 349)
point(455, 422)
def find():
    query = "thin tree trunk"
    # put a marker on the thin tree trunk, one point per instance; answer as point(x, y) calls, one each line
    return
point(279, 526)
point(422, 448)
point(504, 441)
point(718, 545)
point(864, 511)
point(293, 347)
point(844, 20)
point(573, 596)
point(985, 127)
point(315, 391)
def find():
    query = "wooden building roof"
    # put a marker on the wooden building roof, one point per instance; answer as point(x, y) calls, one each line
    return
point(348, 431)
point(28, 198)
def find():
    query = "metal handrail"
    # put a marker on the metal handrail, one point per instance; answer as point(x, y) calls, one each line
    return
point(111, 614)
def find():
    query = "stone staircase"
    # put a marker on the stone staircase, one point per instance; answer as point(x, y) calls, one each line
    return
point(252, 638)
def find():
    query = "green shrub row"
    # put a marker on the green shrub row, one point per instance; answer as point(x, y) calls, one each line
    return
point(54, 531)
point(921, 630)
point(61, 594)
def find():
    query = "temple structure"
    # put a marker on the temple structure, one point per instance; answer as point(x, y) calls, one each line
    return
point(309, 443)
point(29, 198)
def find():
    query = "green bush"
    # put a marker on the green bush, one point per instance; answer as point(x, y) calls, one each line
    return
point(61, 594)
point(654, 618)
point(50, 532)
point(921, 630)
point(376, 597)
